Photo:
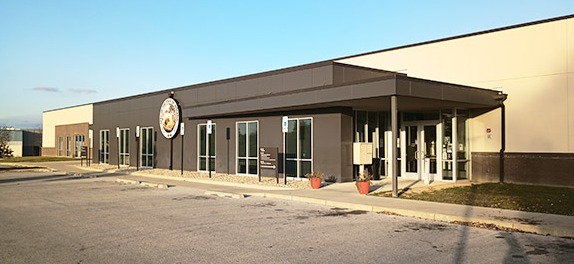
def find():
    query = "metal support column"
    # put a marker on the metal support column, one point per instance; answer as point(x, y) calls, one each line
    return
point(394, 135)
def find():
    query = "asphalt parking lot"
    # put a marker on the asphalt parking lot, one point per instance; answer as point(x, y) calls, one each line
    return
point(66, 218)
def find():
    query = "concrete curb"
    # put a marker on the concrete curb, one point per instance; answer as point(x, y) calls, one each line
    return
point(535, 229)
point(212, 182)
point(21, 167)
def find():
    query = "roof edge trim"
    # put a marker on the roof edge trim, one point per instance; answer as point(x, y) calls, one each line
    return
point(460, 36)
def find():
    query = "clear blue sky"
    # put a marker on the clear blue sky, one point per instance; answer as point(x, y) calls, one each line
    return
point(55, 54)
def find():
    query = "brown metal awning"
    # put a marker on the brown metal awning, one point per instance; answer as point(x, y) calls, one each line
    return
point(413, 94)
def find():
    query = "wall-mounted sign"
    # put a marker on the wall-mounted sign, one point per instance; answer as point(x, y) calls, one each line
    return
point(285, 124)
point(181, 129)
point(169, 118)
point(209, 127)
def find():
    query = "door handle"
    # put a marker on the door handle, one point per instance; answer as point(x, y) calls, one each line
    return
point(419, 154)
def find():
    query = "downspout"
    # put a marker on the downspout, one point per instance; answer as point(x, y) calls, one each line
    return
point(501, 98)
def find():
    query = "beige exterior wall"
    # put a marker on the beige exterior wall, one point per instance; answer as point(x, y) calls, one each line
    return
point(60, 117)
point(16, 147)
point(533, 64)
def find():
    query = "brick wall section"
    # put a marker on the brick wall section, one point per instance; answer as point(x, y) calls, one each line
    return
point(552, 169)
point(65, 131)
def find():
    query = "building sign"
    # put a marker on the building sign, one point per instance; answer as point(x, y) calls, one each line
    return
point(285, 124)
point(169, 118)
point(268, 158)
point(209, 127)
point(84, 152)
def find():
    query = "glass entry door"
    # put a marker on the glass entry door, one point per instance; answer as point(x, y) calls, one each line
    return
point(418, 150)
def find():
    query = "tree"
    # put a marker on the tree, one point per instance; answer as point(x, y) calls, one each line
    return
point(5, 151)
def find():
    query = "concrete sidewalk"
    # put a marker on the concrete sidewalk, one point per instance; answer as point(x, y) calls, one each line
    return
point(345, 195)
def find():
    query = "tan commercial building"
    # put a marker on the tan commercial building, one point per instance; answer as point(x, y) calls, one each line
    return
point(496, 105)
point(66, 130)
point(534, 64)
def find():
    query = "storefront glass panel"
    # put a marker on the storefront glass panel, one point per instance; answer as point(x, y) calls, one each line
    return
point(206, 148)
point(299, 147)
point(124, 146)
point(247, 142)
point(462, 142)
point(104, 146)
point(147, 147)
point(78, 144)
point(447, 162)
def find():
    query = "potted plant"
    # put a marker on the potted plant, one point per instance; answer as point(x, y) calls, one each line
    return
point(364, 182)
point(315, 178)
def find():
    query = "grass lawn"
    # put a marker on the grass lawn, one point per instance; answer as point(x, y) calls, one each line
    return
point(35, 159)
point(530, 198)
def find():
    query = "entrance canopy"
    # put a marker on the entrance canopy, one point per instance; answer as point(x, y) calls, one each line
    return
point(372, 94)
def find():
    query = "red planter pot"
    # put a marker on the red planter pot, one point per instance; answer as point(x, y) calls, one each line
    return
point(315, 183)
point(364, 187)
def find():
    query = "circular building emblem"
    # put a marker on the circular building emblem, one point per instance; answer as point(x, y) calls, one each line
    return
point(169, 118)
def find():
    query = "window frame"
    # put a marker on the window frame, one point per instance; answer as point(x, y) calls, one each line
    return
point(104, 146)
point(124, 144)
point(60, 146)
point(148, 155)
point(207, 146)
point(68, 146)
point(247, 158)
point(298, 159)
point(79, 142)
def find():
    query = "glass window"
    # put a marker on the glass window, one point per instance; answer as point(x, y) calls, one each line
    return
point(291, 149)
point(305, 139)
point(68, 146)
point(299, 147)
point(146, 138)
point(361, 121)
point(383, 126)
point(104, 146)
point(60, 146)
point(370, 127)
point(373, 125)
point(462, 144)
point(247, 143)
point(124, 146)
point(447, 163)
point(206, 147)
point(253, 142)
point(78, 144)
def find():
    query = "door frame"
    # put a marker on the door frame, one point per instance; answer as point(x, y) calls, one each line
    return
point(423, 163)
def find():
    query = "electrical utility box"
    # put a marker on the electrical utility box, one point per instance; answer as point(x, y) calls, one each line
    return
point(362, 153)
